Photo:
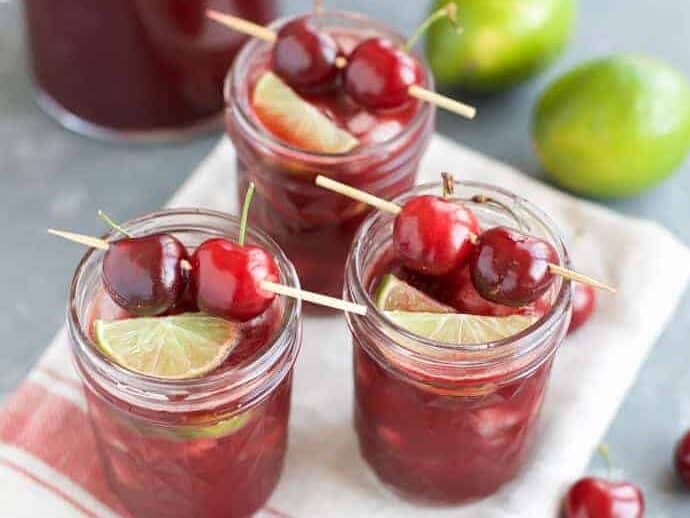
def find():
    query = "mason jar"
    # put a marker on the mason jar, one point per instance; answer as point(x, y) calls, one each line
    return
point(443, 423)
point(212, 446)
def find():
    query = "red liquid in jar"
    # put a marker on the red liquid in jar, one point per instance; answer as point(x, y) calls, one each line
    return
point(313, 226)
point(194, 464)
point(443, 439)
point(136, 64)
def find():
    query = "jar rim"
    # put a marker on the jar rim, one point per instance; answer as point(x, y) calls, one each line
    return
point(152, 389)
point(250, 125)
point(499, 350)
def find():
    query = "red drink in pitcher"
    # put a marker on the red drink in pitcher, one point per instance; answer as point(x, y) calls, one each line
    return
point(448, 385)
point(134, 68)
point(285, 136)
point(209, 445)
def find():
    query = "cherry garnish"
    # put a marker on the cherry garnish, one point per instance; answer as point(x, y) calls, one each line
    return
point(433, 235)
point(378, 75)
point(304, 56)
point(593, 497)
point(144, 275)
point(681, 458)
point(459, 292)
point(584, 301)
point(511, 268)
point(226, 278)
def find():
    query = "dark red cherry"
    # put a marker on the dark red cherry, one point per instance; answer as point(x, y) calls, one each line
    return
point(460, 293)
point(584, 301)
point(682, 458)
point(378, 75)
point(226, 278)
point(144, 275)
point(511, 268)
point(433, 235)
point(593, 497)
point(304, 56)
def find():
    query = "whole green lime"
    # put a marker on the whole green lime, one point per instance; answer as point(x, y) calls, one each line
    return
point(613, 126)
point(502, 42)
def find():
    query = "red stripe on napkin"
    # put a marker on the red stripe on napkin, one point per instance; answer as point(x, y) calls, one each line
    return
point(58, 432)
point(47, 485)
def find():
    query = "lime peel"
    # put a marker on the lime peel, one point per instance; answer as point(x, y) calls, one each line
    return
point(173, 347)
point(461, 329)
point(295, 120)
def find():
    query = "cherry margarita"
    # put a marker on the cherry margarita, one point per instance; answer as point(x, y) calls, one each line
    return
point(134, 68)
point(209, 446)
point(442, 423)
point(315, 227)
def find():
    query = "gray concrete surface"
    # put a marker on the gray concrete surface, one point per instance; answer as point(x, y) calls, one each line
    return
point(50, 176)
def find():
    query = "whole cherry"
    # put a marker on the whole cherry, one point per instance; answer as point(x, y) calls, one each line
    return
point(226, 276)
point(459, 292)
point(144, 275)
point(378, 75)
point(593, 497)
point(511, 268)
point(584, 302)
point(305, 56)
point(681, 458)
point(433, 235)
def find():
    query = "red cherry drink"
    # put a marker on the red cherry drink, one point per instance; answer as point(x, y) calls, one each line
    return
point(442, 423)
point(315, 227)
point(134, 68)
point(210, 446)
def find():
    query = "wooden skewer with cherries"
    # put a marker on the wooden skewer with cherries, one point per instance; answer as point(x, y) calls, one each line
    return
point(435, 235)
point(149, 275)
point(376, 74)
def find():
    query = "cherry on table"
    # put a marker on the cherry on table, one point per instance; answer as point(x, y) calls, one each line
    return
point(433, 235)
point(378, 75)
point(594, 497)
point(681, 459)
point(305, 56)
point(144, 275)
point(511, 268)
point(584, 302)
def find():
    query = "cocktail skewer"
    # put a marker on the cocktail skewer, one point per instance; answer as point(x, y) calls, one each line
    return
point(279, 289)
point(416, 91)
point(395, 209)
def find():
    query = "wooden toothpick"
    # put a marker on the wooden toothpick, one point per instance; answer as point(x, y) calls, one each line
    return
point(416, 91)
point(278, 289)
point(395, 209)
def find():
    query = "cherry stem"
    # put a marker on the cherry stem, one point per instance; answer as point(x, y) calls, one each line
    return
point(448, 185)
point(449, 11)
point(480, 198)
point(117, 228)
point(606, 455)
point(245, 213)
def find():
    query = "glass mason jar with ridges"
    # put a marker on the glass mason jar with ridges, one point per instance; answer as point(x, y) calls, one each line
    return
point(209, 446)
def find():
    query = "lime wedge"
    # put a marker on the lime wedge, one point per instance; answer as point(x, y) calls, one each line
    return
point(459, 329)
point(394, 294)
point(294, 120)
point(214, 431)
point(175, 347)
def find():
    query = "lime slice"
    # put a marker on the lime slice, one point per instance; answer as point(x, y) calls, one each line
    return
point(176, 347)
point(394, 294)
point(294, 120)
point(214, 431)
point(457, 328)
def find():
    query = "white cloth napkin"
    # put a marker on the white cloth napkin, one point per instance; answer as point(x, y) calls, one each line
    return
point(48, 465)
point(594, 368)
